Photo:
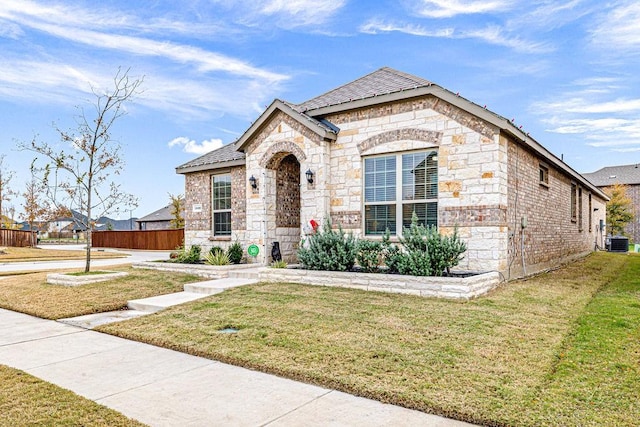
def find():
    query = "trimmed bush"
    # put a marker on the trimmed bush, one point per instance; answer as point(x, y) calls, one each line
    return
point(328, 249)
point(235, 253)
point(189, 257)
point(369, 255)
point(215, 250)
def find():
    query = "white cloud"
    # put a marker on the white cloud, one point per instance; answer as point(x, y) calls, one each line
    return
point(492, 34)
point(296, 13)
point(596, 113)
point(451, 8)
point(619, 29)
point(191, 146)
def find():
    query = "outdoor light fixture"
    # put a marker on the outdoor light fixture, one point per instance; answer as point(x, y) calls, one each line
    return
point(309, 175)
point(254, 182)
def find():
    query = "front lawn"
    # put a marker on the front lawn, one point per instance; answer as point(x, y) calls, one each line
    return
point(29, 293)
point(559, 349)
point(29, 401)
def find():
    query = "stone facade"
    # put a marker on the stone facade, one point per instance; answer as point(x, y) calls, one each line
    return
point(488, 185)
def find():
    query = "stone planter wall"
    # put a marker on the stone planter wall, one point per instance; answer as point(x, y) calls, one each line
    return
point(440, 287)
point(202, 270)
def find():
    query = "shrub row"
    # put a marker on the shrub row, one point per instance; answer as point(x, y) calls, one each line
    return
point(422, 251)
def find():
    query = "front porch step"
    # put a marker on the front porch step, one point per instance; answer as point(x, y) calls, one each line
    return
point(211, 287)
point(153, 304)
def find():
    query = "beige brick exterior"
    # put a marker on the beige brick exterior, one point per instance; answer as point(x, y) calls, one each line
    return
point(487, 184)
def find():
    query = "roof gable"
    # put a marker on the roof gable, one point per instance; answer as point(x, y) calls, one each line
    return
point(225, 156)
point(322, 128)
point(380, 82)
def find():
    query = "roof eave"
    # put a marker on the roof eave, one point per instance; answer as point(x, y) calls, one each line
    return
point(286, 109)
point(210, 166)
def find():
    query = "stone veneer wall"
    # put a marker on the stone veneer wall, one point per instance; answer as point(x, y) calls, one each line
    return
point(551, 236)
point(198, 227)
point(472, 170)
point(633, 228)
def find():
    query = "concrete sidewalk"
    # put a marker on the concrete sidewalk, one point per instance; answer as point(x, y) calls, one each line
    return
point(161, 387)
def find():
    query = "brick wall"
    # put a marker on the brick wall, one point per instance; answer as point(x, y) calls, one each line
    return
point(550, 235)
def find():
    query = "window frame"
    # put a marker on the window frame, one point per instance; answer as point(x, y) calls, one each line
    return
point(215, 211)
point(580, 225)
point(544, 175)
point(398, 201)
point(574, 202)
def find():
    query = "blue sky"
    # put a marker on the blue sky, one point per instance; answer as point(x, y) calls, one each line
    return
point(568, 72)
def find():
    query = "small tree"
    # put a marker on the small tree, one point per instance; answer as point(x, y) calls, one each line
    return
point(619, 208)
point(89, 158)
point(34, 206)
point(177, 206)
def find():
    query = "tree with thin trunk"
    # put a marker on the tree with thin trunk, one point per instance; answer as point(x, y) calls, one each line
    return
point(619, 208)
point(5, 191)
point(89, 158)
point(177, 207)
point(35, 207)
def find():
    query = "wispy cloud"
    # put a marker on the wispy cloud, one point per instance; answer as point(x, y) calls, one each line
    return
point(494, 34)
point(619, 29)
point(193, 147)
point(451, 8)
point(596, 113)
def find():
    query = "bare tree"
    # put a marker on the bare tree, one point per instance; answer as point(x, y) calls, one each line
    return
point(177, 207)
point(89, 157)
point(5, 191)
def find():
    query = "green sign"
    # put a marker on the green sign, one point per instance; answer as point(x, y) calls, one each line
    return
point(253, 250)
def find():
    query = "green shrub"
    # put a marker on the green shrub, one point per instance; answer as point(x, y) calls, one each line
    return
point(235, 253)
point(424, 252)
point(328, 249)
point(189, 257)
point(217, 258)
point(216, 249)
point(369, 254)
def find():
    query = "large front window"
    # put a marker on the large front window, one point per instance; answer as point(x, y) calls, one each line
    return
point(221, 208)
point(397, 186)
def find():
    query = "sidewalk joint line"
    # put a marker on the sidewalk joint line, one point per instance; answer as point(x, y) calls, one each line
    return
point(296, 408)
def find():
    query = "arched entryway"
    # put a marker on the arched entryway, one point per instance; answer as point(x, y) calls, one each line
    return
point(285, 221)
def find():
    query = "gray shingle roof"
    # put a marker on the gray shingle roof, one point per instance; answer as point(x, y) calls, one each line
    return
point(162, 214)
point(226, 153)
point(381, 82)
point(624, 174)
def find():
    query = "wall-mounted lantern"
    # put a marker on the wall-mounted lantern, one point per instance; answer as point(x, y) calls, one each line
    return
point(309, 173)
point(254, 182)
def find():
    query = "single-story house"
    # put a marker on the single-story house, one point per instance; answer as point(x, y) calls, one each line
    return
point(628, 175)
point(372, 152)
point(156, 220)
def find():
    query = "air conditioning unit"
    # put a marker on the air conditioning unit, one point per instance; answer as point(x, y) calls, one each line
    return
point(618, 244)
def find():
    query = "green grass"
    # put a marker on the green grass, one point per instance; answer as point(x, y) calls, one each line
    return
point(88, 273)
point(29, 401)
point(541, 351)
point(29, 293)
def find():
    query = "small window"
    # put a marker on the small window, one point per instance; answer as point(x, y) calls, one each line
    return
point(590, 213)
point(544, 175)
point(221, 199)
point(574, 202)
point(580, 209)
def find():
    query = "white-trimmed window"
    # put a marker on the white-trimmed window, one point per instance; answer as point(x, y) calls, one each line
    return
point(221, 204)
point(574, 202)
point(396, 186)
point(544, 175)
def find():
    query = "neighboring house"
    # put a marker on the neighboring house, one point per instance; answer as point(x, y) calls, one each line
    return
point(374, 151)
point(158, 220)
point(105, 223)
point(628, 175)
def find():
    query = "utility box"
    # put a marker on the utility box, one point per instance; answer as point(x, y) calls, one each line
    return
point(618, 244)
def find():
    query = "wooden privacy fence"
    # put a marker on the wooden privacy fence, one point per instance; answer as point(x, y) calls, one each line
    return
point(155, 240)
point(18, 238)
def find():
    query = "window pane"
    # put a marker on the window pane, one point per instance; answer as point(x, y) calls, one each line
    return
point(420, 176)
point(222, 223)
point(427, 213)
point(380, 179)
point(378, 218)
point(221, 192)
